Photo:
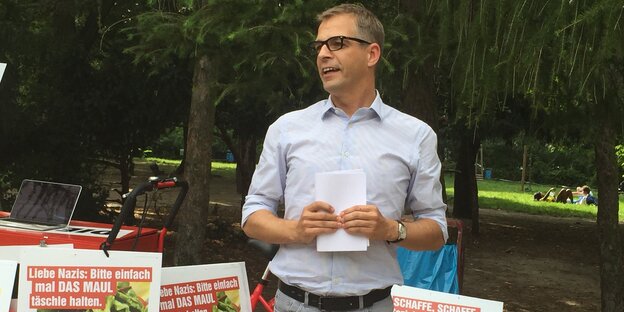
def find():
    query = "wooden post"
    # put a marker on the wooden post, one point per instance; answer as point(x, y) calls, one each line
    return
point(479, 170)
point(524, 167)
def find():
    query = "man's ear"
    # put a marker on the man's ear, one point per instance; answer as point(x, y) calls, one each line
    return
point(374, 54)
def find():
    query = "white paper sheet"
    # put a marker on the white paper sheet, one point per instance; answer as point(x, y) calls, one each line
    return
point(341, 189)
point(7, 272)
point(2, 67)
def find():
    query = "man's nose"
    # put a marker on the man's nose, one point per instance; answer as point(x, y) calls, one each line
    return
point(324, 52)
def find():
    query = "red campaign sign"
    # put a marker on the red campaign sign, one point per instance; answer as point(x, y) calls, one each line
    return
point(197, 295)
point(402, 304)
point(79, 287)
point(126, 274)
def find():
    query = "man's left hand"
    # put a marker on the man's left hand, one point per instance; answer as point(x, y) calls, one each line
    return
point(366, 220)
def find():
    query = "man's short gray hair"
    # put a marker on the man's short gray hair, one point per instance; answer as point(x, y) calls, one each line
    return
point(368, 25)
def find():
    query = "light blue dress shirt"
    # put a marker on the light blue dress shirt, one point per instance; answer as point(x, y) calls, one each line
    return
point(398, 155)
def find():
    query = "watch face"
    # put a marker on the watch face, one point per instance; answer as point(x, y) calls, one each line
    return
point(402, 231)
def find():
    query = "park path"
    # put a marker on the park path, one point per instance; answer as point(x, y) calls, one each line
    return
point(534, 263)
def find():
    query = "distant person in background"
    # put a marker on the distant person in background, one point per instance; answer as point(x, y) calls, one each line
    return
point(547, 196)
point(537, 196)
point(564, 196)
point(586, 198)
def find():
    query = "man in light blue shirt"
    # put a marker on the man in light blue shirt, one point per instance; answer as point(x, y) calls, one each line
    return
point(352, 129)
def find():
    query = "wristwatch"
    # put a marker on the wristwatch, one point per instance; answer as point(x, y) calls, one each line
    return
point(402, 231)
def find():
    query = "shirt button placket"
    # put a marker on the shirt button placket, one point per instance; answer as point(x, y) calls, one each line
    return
point(345, 145)
point(345, 152)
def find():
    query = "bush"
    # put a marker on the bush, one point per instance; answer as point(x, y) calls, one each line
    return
point(169, 145)
point(547, 163)
point(619, 152)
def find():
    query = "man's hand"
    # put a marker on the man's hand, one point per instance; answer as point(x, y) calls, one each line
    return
point(366, 220)
point(317, 218)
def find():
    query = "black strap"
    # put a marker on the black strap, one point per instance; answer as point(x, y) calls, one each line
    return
point(335, 303)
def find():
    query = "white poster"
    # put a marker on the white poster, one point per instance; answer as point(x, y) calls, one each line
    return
point(411, 299)
point(80, 279)
point(205, 288)
point(7, 271)
point(2, 68)
point(13, 252)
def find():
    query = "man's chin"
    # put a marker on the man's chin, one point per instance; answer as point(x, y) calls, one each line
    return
point(330, 87)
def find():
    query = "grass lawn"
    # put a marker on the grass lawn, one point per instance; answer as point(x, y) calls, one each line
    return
point(506, 195)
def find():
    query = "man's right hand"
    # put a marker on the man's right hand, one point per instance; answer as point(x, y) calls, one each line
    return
point(317, 218)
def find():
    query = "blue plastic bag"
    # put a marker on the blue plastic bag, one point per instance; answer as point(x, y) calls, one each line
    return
point(433, 270)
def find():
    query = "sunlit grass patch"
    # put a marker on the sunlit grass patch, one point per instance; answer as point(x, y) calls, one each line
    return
point(223, 169)
point(223, 165)
point(507, 195)
point(160, 161)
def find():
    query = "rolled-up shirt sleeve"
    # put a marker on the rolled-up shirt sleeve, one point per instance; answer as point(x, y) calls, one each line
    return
point(266, 190)
point(424, 198)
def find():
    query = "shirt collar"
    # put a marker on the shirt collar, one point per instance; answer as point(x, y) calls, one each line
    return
point(377, 107)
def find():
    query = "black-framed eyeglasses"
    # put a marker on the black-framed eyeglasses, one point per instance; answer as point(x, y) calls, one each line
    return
point(334, 43)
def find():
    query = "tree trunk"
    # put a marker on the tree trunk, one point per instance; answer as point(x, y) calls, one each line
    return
point(191, 230)
point(611, 261)
point(419, 98)
point(466, 201)
point(180, 169)
point(125, 162)
point(245, 154)
point(245, 165)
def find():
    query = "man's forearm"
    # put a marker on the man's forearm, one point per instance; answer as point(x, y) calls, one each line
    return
point(423, 234)
point(265, 226)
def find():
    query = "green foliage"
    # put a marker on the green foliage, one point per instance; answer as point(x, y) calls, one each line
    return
point(563, 165)
point(68, 78)
point(257, 50)
point(619, 152)
point(219, 149)
point(555, 164)
point(563, 55)
point(72, 98)
point(44, 131)
point(169, 144)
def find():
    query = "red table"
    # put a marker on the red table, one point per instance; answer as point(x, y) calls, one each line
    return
point(83, 235)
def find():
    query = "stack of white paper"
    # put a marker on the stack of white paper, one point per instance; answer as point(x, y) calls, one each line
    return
point(341, 189)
